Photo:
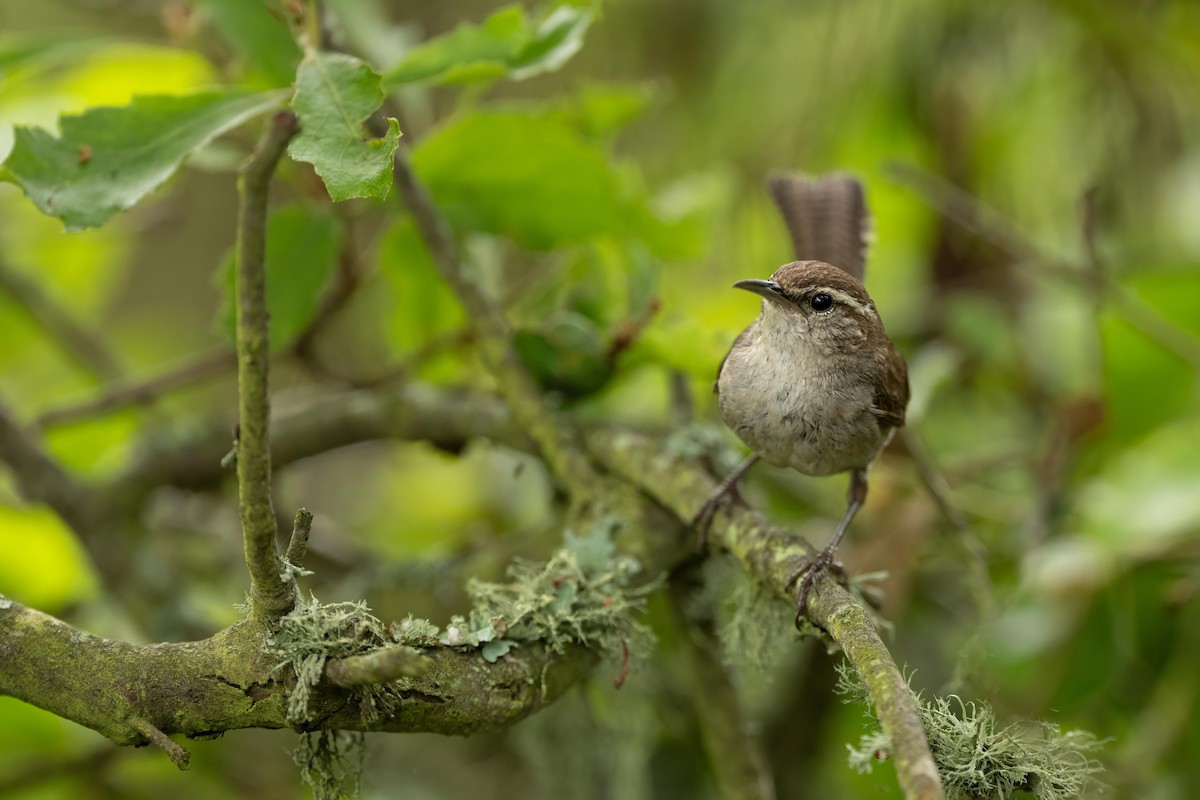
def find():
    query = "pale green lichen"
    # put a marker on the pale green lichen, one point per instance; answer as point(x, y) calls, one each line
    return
point(978, 759)
point(584, 595)
point(331, 763)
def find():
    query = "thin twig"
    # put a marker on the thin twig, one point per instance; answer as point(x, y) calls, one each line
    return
point(142, 392)
point(178, 754)
point(381, 666)
point(81, 345)
point(270, 595)
point(558, 444)
point(298, 544)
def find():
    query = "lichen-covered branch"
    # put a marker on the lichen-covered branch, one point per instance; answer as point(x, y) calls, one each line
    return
point(224, 683)
point(380, 666)
point(270, 595)
point(772, 555)
point(556, 440)
point(666, 489)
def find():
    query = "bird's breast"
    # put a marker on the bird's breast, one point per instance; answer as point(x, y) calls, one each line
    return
point(799, 409)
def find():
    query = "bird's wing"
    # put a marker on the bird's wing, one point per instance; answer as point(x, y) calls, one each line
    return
point(891, 393)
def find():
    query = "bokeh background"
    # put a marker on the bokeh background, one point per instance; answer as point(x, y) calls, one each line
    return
point(1034, 171)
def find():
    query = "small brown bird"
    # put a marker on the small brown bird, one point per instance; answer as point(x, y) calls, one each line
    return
point(814, 383)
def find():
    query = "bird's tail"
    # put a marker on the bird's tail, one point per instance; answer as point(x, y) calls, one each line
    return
point(827, 218)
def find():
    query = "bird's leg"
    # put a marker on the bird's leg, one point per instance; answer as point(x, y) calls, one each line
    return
point(823, 561)
point(726, 489)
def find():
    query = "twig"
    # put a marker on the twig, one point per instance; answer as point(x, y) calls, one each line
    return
point(961, 207)
point(178, 754)
point(270, 595)
point(83, 346)
point(558, 444)
point(446, 418)
point(381, 666)
point(142, 392)
point(298, 544)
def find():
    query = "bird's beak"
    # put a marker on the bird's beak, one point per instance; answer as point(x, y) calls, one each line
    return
point(768, 289)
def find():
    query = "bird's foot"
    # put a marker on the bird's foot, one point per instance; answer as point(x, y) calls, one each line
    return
point(723, 497)
point(807, 576)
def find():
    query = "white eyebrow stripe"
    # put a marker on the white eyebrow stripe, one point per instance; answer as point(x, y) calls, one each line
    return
point(850, 300)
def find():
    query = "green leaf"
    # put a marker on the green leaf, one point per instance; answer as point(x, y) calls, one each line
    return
point(107, 159)
point(528, 177)
point(335, 93)
point(466, 54)
point(505, 44)
point(559, 37)
point(302, 248)
point(262, 39)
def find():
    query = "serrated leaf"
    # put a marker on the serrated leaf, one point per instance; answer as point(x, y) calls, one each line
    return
point(526, 176)
point(335, 94)
point(505, 44)
point(302, 248)
point(107, 159)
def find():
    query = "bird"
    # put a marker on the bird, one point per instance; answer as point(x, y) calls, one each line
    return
point(814, 383)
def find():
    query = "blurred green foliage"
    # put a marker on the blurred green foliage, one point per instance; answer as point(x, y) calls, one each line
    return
point(603, 168)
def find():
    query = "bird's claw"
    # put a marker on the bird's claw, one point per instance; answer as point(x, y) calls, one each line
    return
point(807, 576)
point(704, 517)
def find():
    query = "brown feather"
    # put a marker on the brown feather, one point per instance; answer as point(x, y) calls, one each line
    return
point(827, 218)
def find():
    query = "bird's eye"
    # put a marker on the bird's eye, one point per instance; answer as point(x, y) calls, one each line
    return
point(821, 302)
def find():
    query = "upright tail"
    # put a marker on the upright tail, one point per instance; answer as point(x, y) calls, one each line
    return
point(827, 218)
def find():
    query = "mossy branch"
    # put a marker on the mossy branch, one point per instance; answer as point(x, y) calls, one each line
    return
point(270, 595)
point(772, 554)
point(225, 683)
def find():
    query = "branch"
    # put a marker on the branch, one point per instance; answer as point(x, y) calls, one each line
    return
point(557, 441)
point(143, 391)
point(772, 554)
point(446, 418)
point(224, 683)
point(270, 595)
point(220, 684)
point(84, 347)
point(382, 666)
